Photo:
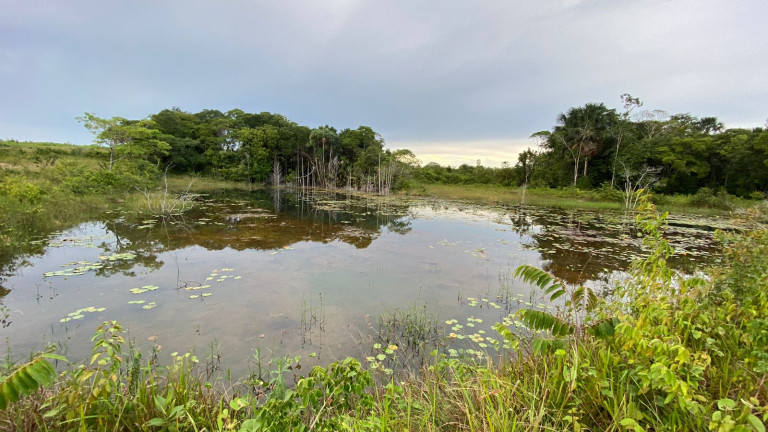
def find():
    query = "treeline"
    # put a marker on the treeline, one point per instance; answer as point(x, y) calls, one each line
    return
point(593, 146)
point(264, 147)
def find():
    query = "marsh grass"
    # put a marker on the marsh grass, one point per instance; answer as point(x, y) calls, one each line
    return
point(565, 198)
point(404, 338)
point(704, 203)
point(161, 203)
point(199, 184)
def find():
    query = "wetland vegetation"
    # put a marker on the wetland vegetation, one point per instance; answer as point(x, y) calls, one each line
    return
point(143, 290)
point(662, 351)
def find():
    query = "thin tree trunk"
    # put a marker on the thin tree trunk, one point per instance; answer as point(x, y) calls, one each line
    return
point(615, 159)
point(575, 171)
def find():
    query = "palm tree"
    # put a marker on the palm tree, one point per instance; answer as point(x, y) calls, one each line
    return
point(582, 131)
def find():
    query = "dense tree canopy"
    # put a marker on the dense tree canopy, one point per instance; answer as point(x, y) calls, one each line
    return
point(126, 138)
point(593, 146)
point(590, 146)
point(265, 147)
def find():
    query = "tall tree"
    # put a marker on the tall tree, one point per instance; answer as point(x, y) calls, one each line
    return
point(582, 131)
point(322, 139)
point(623, 129)
point(527, 161)
point(125, 138)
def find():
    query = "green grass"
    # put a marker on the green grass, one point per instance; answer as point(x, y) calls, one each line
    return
point(494, 194)
point(36, 178)
point(37, 156)
point(200, 184)
point(571, 198)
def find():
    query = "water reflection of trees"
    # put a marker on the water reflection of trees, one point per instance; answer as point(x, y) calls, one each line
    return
point(578, 246)
point(266, 220)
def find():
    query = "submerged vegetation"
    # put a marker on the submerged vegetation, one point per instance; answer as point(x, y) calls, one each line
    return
point(659, 351)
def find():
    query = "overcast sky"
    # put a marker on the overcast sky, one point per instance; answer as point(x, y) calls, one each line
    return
point(454, 81)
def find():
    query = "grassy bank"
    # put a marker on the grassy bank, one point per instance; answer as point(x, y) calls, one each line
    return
point(663, 352)
point(45, 187)
point(705, 203)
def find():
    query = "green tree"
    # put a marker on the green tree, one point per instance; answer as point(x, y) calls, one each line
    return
point(125, 138)
point(622, 129)
point(254, 148)
point(527, 161)
point(324, 140)
point(582, 132)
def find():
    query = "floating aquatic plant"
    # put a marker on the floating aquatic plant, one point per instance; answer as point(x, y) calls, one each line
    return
point(118, 256)
point(80, 313)
point(143, 289)
point(81, 267)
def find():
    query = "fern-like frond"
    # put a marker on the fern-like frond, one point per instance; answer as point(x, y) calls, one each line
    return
point(507, 334)
point(544, 321)
point(546, 346)
point(593, 300)
point(545, 281)
point(584, 299)
point(26, 379)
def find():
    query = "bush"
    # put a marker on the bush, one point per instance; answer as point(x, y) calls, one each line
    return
point(19, 189)
point(706, 197)
point(81, 180)
point(607, 193)
point(584, 183)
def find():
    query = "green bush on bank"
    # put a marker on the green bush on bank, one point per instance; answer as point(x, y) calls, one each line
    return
point(35, 201)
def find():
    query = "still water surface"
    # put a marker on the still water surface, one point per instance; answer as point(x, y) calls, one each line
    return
point(306, 274)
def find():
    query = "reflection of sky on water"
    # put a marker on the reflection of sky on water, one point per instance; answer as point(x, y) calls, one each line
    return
point(311, 277)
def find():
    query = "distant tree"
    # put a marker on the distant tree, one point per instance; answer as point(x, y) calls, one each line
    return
point(582, 131)
point(623, 128)
point(125, 138)
point(688, 161)
point(710, 125)
point(651, 123)
point(254, 145)
point(527, 161)
point(322, 139)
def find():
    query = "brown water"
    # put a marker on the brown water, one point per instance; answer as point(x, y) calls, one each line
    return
point(309, 275)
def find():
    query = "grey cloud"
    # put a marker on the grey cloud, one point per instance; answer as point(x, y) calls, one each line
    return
point(414, 71)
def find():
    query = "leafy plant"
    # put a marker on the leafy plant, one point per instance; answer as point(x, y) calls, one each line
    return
point(575, 318)
point(27, 378)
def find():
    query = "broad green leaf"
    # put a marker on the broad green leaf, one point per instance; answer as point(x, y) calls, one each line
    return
point(756, 423)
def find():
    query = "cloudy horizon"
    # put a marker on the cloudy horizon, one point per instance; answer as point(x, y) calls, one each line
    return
point(455, 82)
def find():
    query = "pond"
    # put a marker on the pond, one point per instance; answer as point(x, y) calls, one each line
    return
point(273, 273)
